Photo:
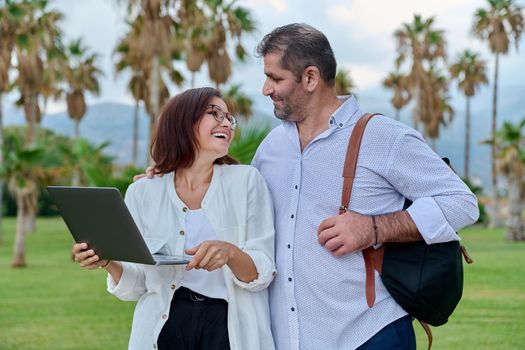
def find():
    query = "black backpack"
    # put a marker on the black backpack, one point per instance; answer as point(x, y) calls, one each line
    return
point(425, 280)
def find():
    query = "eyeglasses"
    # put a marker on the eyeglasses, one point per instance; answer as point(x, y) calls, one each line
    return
point(218, 114)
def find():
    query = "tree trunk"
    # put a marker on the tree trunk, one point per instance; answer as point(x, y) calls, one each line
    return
point(397, 115)
point(19, 247)
point(1, 165)
point(154, 100)
point(134, 146)
point(32, 208)
point(515, 230)
point(192, 79)
point(467, 141)
point(494, 217)
point(26, 201)
point(75, 179)
point(30, 135)
point(77, 129)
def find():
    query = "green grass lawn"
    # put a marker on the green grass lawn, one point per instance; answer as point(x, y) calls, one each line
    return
point(53, 304)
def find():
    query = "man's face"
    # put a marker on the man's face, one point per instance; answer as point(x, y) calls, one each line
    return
point(283, 88)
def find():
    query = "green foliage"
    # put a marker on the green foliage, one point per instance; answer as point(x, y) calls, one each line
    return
point(246, 142)
point(122, 180)
point(27, 162)
point(51, 161)
point(88, 160)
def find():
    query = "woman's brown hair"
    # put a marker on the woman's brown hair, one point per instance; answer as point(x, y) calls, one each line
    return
point(175, 142)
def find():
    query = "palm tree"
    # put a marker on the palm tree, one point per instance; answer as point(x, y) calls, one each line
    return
point(227, 21)
point(155, 39)
point(436, 100)
point(344, 84)
point(193, 28)
point(207, 29)
point(82, 75)
point(153, 36)
point(239, 102)
point(131, 57)
point(470, 73)
point(8, 17)
point(38, 51)
point(87, 161)
point(495, 25)
point(424, 47)
point(398, 82)
point(510, 161)
point(37, 42)
point(26, 166)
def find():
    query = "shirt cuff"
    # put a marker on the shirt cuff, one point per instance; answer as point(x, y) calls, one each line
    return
point(431, 222)
point(126, 283)
point(265, 269)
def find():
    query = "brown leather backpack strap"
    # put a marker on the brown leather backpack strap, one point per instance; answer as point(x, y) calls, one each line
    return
point(352, 152)
point(426, 327)
point(349, 169)
point(370, 281)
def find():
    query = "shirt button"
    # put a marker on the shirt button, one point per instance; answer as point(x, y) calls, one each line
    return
point(154, 346)
point(290, 279)
point(341, 125)
point(181, 233)
point(288, 246)
point(184, 209)
point(293, 309)
point(173, 286)
point(295, 186)
point(164, 316)
point(331, 121)
point(292, 216)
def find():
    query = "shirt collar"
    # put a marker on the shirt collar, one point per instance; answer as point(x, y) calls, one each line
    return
point(347, 114)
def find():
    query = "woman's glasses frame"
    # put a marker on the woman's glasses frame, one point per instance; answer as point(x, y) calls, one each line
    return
point(218, 114)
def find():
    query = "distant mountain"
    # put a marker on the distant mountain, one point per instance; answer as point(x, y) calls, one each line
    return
point(110, 122)
point(113, 122)
point(451, 141)
point(102, 122)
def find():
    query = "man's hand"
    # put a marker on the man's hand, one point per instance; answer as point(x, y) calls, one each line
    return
point(150, 173)
point(346, 233)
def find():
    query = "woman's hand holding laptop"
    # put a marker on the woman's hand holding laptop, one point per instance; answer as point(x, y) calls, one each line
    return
point(88, 259)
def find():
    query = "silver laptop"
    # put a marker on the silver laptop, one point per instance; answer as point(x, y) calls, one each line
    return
point(99, 217)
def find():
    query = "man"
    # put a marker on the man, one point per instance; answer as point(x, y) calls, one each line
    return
point(317, 300)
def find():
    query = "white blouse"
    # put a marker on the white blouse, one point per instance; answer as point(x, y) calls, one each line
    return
point(208, 283)
point(239, 208)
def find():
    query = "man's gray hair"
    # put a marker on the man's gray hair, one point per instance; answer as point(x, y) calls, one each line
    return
point(301, 46)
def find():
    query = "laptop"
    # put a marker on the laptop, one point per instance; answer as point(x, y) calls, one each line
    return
point(99, 217)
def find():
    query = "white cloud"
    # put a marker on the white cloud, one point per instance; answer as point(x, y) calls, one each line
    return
point(364, 76)
point(384, 16)
point(278, 5)
point(55, 107)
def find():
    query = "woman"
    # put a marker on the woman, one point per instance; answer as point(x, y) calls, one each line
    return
point(206, 207)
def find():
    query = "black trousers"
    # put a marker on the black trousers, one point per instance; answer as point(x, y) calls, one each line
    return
point(195, 322)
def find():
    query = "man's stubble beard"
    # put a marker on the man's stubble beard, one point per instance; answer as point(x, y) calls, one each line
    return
point(289, 114)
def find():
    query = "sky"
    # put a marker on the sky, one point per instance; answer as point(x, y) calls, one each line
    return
point(360, 32)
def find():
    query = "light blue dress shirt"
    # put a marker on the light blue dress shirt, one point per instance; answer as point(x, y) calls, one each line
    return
point(317, 301)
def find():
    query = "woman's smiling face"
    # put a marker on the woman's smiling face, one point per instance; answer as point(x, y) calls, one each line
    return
point(214, 137)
